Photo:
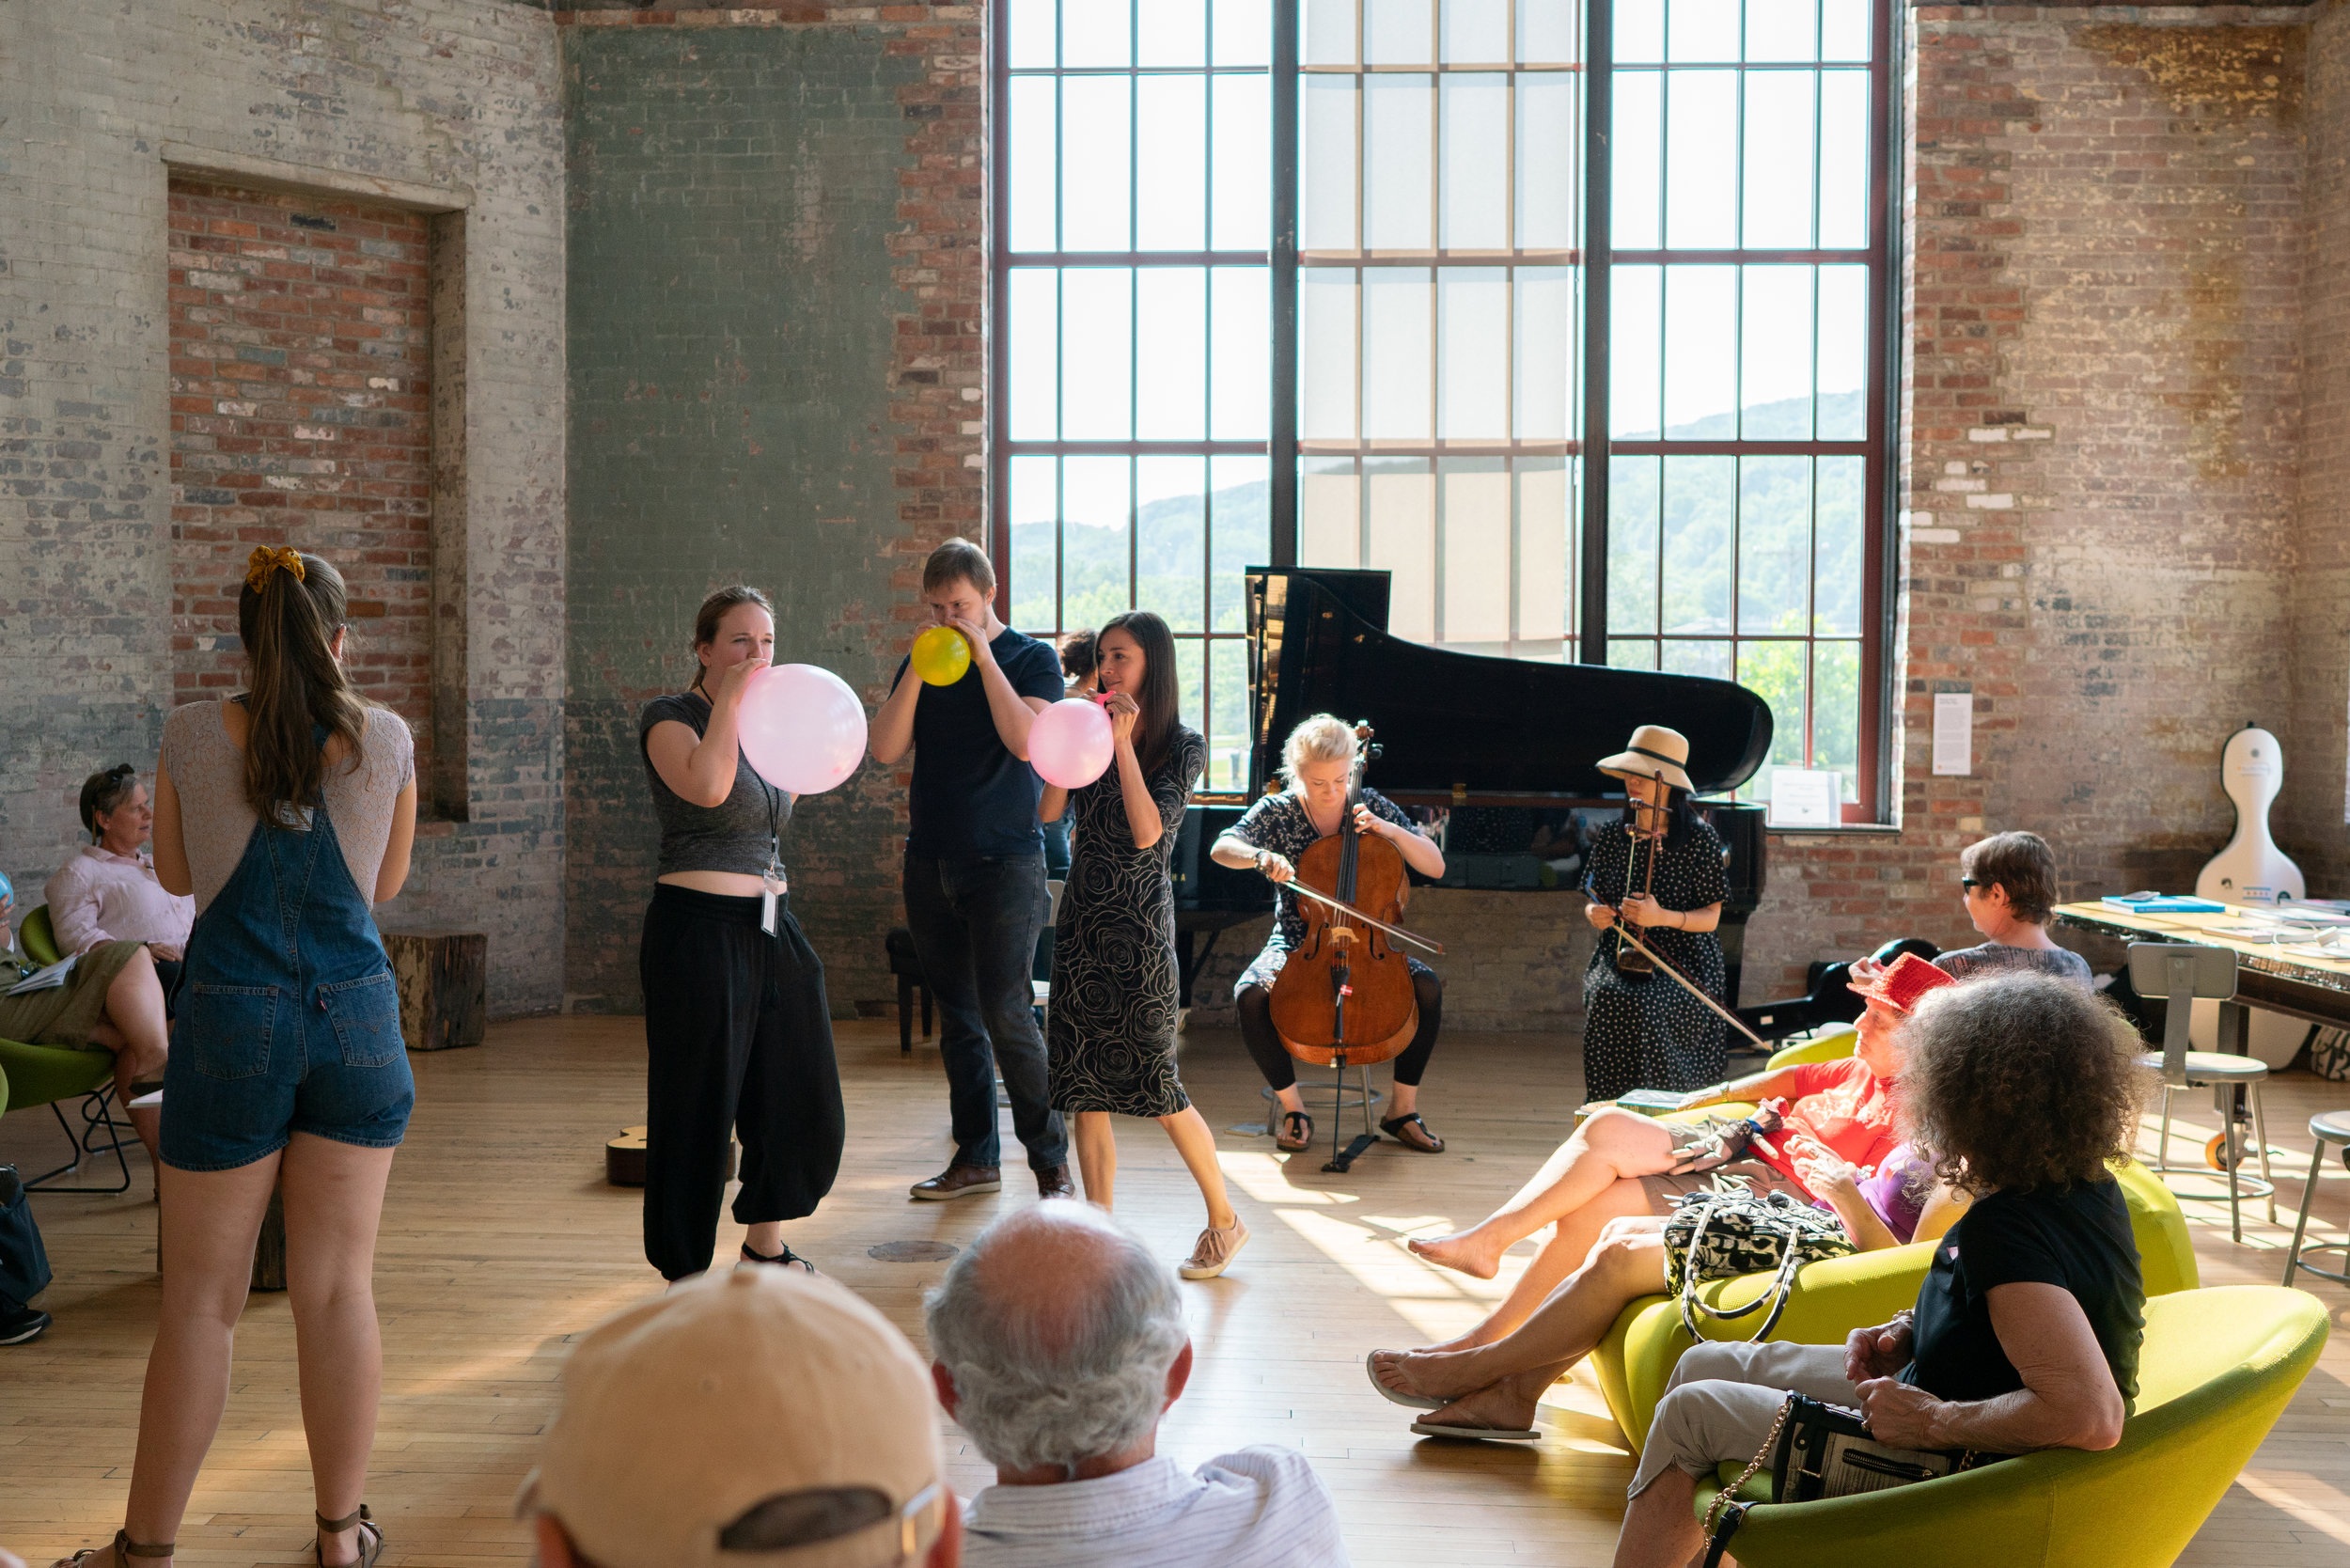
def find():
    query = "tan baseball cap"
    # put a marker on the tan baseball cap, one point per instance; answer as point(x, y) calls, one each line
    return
point(763, 1416)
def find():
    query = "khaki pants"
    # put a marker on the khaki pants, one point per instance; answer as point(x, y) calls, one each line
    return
point(1723, 1398)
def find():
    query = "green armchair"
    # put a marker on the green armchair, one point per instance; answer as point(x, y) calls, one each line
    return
point(2217, 1367)
point(1833, 1299)
point(51, 1074)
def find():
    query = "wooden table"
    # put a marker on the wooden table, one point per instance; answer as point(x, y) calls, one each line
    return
point(2281, 978)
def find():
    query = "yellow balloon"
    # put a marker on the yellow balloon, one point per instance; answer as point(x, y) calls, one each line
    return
point(941, 656)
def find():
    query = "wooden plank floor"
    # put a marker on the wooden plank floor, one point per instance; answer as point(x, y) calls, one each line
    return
point(501, 1243)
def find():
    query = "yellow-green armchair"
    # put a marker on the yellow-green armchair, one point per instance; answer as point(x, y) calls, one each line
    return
point(1833, 1299)
point(2217, 1367)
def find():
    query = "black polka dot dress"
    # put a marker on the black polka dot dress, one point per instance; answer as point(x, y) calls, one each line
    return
point(1648, 1032)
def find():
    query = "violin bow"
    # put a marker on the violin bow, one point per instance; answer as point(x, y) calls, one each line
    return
point(1371, 920)
point(1623, 929)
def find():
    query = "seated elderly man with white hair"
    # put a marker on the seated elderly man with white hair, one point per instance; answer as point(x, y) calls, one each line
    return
point(1057, 1341)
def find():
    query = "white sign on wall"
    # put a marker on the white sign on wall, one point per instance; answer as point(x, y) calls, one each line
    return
point(1954, 733)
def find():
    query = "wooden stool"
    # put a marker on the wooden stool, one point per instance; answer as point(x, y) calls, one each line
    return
point(444, 982)
point(624, 1158)
point(2330, 1128)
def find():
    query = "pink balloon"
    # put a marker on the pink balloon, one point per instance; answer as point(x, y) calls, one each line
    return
point(801, 728)
point(1068, 744)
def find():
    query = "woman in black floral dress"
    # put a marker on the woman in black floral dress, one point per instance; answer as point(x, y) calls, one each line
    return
point(1110, 1030)
point(1644, 1031)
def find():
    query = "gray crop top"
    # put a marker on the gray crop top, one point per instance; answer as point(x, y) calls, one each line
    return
point(736, 837)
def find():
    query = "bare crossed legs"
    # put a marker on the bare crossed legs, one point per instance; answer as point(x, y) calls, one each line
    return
point(1499, 1384)
point(1594, 1177)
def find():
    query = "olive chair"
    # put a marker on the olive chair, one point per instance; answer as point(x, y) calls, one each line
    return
point(1832, 1298)
point(2217, 1370)
point(52, 1074)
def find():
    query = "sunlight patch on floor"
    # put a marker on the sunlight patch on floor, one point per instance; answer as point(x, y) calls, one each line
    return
point(2331, 1517)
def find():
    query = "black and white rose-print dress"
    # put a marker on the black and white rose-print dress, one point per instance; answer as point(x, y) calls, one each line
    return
point(1110, 1026)
point(1649, 1033)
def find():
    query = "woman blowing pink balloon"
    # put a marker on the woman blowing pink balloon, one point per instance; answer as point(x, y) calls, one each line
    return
point(1110, 1034)
point(737, 1032)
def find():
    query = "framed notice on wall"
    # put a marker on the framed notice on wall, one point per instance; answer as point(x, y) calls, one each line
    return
point(1954, 733)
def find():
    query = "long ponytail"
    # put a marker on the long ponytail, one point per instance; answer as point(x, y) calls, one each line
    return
point(290, 608)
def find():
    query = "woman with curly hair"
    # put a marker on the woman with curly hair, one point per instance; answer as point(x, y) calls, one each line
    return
point(2023, 1090)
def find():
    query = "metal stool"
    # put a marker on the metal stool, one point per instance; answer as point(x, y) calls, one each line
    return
point(1341, 1098)
point(2179, 972)
point(2223, 1074)
point(2330, 1127)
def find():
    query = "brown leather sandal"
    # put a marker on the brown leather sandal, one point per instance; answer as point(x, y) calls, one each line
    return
point(370, 1537)
point(124, 1549)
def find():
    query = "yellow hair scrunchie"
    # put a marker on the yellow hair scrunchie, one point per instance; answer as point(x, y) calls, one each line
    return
point(264, 560)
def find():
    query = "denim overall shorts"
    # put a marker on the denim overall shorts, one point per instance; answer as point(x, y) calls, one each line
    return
point(287, 1019)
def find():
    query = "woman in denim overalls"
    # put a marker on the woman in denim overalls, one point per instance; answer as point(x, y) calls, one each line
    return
point(289, 813)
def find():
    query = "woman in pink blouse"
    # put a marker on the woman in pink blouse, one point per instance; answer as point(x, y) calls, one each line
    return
point(108, 893)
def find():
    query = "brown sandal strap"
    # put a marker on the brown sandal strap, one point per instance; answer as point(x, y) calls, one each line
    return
point(125, 1546)
point(370, 1535)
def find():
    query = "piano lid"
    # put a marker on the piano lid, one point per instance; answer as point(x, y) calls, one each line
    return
point(1470, 725)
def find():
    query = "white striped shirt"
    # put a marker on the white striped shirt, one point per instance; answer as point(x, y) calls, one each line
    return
point(1263, 1507)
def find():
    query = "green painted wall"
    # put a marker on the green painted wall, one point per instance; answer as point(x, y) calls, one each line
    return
point(733, 313)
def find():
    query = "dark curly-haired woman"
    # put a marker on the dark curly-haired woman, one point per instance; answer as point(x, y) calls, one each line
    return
point(2023, 1090)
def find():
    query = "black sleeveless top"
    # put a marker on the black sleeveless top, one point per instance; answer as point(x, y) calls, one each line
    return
point(736, 837)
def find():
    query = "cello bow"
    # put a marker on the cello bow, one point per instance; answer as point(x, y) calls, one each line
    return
point(1423, 943)
point(1623, 929)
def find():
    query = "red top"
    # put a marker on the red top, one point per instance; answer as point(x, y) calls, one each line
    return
point(1839, 1103)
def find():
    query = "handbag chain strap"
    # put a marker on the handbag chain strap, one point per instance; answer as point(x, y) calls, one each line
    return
point(1722, 1499)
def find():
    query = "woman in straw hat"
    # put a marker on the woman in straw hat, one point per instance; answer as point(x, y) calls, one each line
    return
point(1662, 877)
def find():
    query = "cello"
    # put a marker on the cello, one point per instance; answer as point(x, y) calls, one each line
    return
point(1344, 996)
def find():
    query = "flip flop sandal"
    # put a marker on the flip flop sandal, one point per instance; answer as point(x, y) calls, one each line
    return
point(1476, 1433)
point(1414, 1402)
point(1394, 1125)
point(1291, 1141)
point(371, 1541)
point(786, 1259)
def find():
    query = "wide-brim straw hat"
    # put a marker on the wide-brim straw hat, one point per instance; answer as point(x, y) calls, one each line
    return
point(1655, 752)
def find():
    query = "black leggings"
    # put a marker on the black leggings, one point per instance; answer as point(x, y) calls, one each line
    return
point(1280, 1068)
point(737, 1039)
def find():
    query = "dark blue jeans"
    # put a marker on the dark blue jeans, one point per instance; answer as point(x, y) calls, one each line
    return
point(975, 924)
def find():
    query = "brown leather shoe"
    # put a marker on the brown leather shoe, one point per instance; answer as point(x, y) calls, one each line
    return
point(1054, 1183)
point(960, 1180)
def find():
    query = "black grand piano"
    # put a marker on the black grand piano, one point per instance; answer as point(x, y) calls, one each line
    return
point(1509, 746)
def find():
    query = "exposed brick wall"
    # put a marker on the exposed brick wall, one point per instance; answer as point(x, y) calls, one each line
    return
point(777, 281)
point(2103, 445)
point(2317, 777)
point(350, 101)
point(300, 373)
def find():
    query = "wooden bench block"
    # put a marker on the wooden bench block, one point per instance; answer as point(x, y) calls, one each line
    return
point(444, 981)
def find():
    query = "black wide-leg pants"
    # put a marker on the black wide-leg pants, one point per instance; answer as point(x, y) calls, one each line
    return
point(738, 1036)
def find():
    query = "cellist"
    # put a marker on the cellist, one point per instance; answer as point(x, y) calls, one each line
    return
point(1317, 764)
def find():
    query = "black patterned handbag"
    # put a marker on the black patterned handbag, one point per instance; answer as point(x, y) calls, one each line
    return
point(1818, 1450)
point(1731, 1231)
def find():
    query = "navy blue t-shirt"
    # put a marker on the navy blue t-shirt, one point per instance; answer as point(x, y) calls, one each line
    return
point(972, 797)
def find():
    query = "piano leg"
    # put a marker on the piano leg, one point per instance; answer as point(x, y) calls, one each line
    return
point(1187, 964)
